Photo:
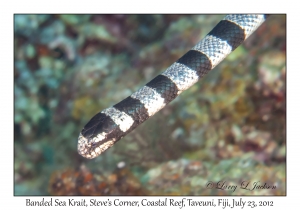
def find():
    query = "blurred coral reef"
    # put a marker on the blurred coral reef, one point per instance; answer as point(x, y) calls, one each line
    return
point(230, 126)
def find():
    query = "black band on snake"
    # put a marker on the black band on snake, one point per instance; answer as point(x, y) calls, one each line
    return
point(113, 123)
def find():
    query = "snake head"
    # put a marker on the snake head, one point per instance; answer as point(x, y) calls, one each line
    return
point(99, 134)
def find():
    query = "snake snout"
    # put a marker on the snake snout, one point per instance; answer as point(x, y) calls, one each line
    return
point(91, 148)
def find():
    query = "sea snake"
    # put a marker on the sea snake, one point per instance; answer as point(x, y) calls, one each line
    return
point(113, 123)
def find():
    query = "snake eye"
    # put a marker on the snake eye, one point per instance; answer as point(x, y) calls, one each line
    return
point(94, 144)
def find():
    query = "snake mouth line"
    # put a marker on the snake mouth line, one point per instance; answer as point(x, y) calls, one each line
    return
point(88, 150)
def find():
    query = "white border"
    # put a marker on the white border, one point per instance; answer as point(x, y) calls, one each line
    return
point(8, 8)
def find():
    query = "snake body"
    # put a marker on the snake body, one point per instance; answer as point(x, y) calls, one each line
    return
point(113, 123)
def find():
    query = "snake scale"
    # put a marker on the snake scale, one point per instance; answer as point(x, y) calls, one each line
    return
point(113, 123)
